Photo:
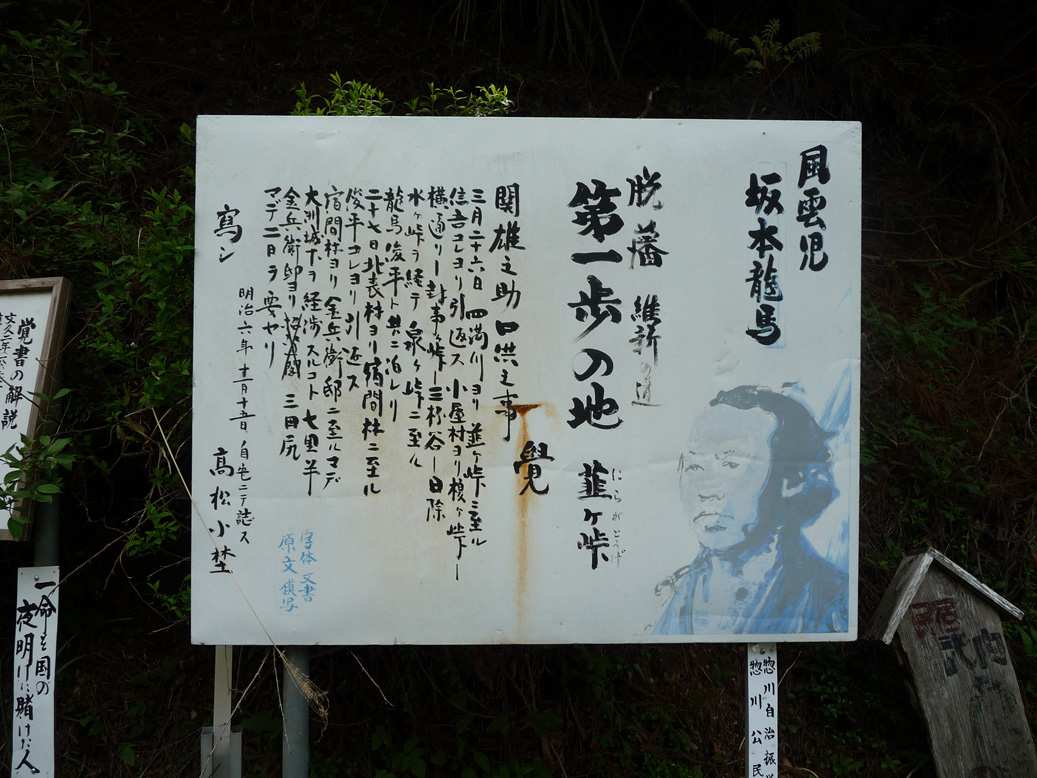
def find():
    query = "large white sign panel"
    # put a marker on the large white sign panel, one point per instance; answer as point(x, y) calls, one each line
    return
point(524, 380)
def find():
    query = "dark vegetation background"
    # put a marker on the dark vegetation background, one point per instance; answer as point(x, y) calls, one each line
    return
point(97, 104)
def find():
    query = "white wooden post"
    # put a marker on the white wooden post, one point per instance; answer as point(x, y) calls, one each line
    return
point(761, 720)
point(221, 746)
point(35, 652)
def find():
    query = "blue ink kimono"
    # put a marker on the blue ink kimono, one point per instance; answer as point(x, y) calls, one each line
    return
point(795, 592)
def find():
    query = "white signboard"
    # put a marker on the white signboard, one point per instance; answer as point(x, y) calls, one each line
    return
point(32, 321)
point(525, 380)
point(35, 649)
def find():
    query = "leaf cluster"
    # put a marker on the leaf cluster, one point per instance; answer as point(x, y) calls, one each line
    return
point(765, 49)
point(33, 476)
point(356, 98)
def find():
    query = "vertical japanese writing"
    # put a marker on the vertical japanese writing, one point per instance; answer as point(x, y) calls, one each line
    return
point(243, 381)
point(227, 230)
point(600, 486)
point(6, 337)
point(813, 166)
point(16, 339)
point(764, 198)
point(596, 213)
point(230, 472)
point(762, 711)
point(19, 356)
point(230, 476)
point(375, 296)
point(647, 311)
point(647, 323)
point(298, 570)
point(36, 621)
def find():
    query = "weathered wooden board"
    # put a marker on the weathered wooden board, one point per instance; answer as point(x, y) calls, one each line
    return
point(965, 681)
point(909, 576)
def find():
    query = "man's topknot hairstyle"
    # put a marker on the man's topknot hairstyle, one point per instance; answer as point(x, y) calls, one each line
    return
point(799, 486)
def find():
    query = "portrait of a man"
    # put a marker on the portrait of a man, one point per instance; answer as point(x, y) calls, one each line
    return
point(756, 471)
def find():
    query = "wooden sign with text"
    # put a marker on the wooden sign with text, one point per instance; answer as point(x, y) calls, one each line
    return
point(32, 323)
point(948, 626)
point(35, 668)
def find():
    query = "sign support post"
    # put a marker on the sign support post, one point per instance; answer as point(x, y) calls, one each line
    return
point(221, 744)
point(221, 710)
point(48, 533)
point(295, 754)
point(761, 720)
point(35, 663)
point(47, 540)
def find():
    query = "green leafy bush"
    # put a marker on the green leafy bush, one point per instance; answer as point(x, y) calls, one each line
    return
point(70, 205)
point(33, 476)
point(355, 98)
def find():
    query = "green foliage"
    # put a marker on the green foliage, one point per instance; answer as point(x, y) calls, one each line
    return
point(484, 101)
point(406, 760)
point(92, 723)
point(177, 603)
point(937, 330)
point(140, 331)
point(654, 767)
point(69, 206)
point(349, 98)
point(55, 147)
point(929, 463)
point(33, 476)
point(622, 737)
point(497, 711)
point(355, 98)
point(767, 67)
point(159, 526)
point(765, 49)
point(853, 699)
point(128, 753)
point(574, 32)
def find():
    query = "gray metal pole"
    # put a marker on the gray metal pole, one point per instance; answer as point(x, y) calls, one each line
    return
point(46, 531)
point(295, 750)
point(46, 523)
